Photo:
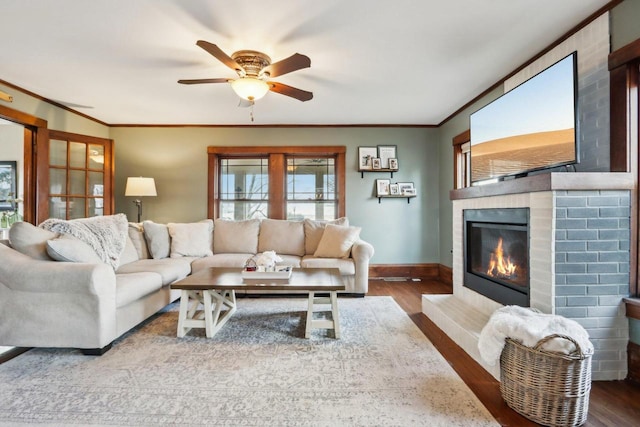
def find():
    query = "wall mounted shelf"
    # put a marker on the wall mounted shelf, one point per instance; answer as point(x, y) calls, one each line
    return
point(362, 171)
point(395, 197)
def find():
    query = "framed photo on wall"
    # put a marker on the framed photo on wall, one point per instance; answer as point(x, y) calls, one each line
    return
point(386, 152)
point(375, 163)
point(394, 189)
point(382, 187)
point(365, 157)
point(393, 164)
point(406, 189)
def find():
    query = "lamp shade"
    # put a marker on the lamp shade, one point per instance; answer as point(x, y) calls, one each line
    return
point(140, 186)
point(250, 88)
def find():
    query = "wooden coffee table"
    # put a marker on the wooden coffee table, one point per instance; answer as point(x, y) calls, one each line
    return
point(214, 289)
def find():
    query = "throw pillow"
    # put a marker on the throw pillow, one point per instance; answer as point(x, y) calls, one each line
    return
point(136, 234)
point(157, 237)
point(282, 236)
point(240, 237)
point(71, 249)
point(336, 241)
point(30, 240)
point(191, 239)
point(313, 232)
point(106, 235)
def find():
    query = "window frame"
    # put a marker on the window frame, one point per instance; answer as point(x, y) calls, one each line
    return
point(44, 167)
point(288, 195)
point(461, 165)
point(277, 170)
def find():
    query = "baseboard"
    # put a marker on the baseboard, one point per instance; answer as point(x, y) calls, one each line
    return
point(633, 360)
point(445, 274)
point(427, 271)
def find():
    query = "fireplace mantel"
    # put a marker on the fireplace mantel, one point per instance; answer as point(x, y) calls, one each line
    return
point(549, 182)
point(580, 255)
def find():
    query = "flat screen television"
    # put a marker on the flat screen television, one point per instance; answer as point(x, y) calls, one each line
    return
point(531, 127)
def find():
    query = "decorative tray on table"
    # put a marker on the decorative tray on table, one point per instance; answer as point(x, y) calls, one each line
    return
point(280, 272)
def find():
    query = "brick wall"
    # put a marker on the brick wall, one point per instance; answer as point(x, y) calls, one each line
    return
point(592, 45)
point(592, 271)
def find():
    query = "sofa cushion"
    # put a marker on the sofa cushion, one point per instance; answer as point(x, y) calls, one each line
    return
point(71, 249)
point(313, 230)
point(30, 240)
point(136, 234)
point(106, 234)
point(220, 260)
point(235, 236)
point(158, 240)
point(282, 236)
point(171, 269)
point(346, 265)
point(130, 254)
point(336, 241)
point(192, 239)
point(131, 287)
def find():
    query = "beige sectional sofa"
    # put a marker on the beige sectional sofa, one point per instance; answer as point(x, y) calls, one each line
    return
point(76, 300)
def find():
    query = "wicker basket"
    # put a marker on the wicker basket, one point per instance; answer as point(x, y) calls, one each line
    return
point(547, 387)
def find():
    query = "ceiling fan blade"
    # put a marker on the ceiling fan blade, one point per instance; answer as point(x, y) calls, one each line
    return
point(292, 63)
point(199, 81)
point(299, 94)
point(220, 55)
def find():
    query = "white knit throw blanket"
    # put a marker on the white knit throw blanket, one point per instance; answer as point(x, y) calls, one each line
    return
point(529, 327)
point(107, 235)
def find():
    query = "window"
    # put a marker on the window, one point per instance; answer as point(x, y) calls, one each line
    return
point(462, 160)
point(289, 182)
point(79, 172)
point(244, 188)
point(311, 188)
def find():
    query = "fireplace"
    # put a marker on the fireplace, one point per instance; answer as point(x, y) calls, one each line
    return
point(496, 254)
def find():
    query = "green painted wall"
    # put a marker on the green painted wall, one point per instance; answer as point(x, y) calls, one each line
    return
point(448, 131)
point(177, 158)
point(625, 27)
point(57, 118)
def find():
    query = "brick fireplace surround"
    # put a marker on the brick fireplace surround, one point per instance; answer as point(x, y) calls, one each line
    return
point(579, 261)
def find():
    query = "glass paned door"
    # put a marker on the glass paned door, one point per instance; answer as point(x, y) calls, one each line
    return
point(80, 177)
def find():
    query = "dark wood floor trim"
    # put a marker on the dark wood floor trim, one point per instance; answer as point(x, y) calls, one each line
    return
point(445, 274)
point(633, 356)
point(421, 271)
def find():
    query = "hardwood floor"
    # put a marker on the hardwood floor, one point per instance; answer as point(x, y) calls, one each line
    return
point(612, 403)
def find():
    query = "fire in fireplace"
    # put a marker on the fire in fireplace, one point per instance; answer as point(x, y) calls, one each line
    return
point(496, 254)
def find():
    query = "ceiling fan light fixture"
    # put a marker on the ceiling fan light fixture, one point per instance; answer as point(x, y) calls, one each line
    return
point(250, 88)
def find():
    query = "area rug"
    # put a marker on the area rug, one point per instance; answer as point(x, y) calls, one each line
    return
point(257, 371)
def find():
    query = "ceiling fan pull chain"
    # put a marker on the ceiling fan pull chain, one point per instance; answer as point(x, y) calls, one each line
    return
point(251, 113)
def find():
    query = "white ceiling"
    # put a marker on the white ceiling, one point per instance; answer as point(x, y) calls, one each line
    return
point(383, 62)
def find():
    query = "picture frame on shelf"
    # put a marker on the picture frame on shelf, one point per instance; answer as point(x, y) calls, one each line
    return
point(394, 189)
point(382, 187)
point(365, 157)
point(386, 152)
point(393, 164)
point(405, 187)
point(375, 163)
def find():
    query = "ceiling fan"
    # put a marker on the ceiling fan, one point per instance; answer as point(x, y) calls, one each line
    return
point(254, 69)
